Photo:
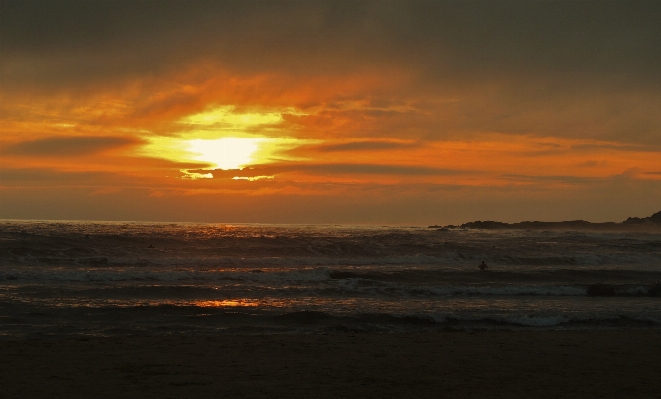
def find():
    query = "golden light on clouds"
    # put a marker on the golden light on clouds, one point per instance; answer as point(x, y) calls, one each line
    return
point(222, 138)
point(227, 116)
point(228, 139)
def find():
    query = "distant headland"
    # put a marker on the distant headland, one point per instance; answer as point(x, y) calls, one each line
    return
point(650, 223)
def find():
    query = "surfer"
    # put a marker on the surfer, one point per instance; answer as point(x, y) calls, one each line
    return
point(483, 266)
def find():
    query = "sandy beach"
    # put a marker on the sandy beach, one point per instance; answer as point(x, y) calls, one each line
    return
point(542, 364)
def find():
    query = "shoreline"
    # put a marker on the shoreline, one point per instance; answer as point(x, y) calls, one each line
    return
point(513, 364)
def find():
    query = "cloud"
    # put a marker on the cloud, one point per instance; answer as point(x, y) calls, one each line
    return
point(106, 191)
point(386, 93)
point(438, 37)
point(36, 176)
point(365, 145)
point(617, 147)
point(575, 180)
point(592, 164)
point(334, 169)
point(380, 169)
point(461, 68)
point(69, 146)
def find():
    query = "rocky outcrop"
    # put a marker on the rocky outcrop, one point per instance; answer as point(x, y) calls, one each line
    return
point(654, 219)
point(487, 224)
point(650, 223)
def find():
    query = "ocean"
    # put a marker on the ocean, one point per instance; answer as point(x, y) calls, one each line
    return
point(131, 278)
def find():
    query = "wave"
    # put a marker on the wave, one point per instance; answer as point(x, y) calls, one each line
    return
point(224, 261)
point(604, 290)
point(389, 322)
point(14, 256)
point(447, 258)
point(91, 244)
point(36, 274)
point(321, 281)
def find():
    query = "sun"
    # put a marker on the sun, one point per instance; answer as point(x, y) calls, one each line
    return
point(226, 153)
point(222, 138)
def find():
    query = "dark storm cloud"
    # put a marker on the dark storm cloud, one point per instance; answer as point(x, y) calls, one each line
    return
point(461, 38)
point(68, 146)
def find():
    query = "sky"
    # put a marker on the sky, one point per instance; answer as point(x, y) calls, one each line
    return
point(385, 113)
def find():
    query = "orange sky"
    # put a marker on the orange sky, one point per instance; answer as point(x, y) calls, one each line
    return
point(385, 113)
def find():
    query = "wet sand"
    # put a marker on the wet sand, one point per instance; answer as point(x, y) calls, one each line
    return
point(542, 364)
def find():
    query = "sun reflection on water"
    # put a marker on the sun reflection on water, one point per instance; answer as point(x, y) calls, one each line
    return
point(228, 303)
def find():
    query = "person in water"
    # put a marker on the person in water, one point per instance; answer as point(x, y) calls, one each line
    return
point(483, 266)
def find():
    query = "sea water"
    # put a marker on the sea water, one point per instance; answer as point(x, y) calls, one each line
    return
point(119, 278)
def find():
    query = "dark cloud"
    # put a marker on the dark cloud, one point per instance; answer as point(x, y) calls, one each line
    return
point(577, 180)
point(618, 147)
point(370, 145)
point(335, 169)
point(607, 39)
point(551, 68)
point(592, 164)
point(30, 176)
point(69, 146)
point(358, 169)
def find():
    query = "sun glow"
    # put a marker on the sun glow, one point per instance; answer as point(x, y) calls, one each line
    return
point(225, 153)
point(222, 138)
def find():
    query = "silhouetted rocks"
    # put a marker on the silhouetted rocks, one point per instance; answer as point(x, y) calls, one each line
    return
point(650, 223)
point(487, 224)
point(654, 219)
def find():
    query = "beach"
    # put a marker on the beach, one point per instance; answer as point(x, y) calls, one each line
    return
point(485, 364)
point(139, 310)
